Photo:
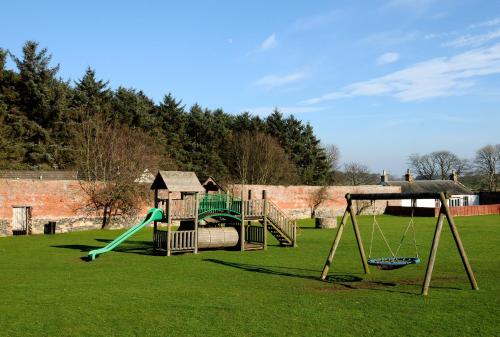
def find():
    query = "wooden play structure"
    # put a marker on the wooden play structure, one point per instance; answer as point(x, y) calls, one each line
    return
point(219, 220)
point(394, 261)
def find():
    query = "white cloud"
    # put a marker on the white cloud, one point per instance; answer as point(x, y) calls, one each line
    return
point(387, 58)
point(271, 81)
point(269, 42)
point(315, 21)
point(438, 77)
point(488, 23)
point(473, 40)
point(287, 110)
point(390, 38)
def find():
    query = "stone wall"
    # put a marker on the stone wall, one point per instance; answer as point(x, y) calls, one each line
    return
point(62, 201)
point(296, 201)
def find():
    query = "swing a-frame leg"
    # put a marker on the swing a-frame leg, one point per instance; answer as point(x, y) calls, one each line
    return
point(338, 236)
point(445, 211)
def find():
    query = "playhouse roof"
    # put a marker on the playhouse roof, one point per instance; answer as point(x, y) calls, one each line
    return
point(177, 181)
point(210, 184)
point(423, 186)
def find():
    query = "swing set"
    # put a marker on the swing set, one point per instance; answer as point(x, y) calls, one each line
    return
point(395, 261)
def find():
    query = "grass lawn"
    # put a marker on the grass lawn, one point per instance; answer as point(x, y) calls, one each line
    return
point(47, 290)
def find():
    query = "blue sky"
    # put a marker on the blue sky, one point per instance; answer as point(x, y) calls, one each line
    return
point(380, 79)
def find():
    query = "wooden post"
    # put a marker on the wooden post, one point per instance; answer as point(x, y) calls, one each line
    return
point(242, 229)
point(335, 244)
point(169, 221)
point(155, 223)
point(249, 205)
point(358, 237)
point(264, 196)
point(460, 246)
point(432, 255)
point(196, 205)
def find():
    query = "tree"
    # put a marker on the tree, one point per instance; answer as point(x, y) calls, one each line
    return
point(316, 198)
point(424, 166)
point(39, 93)
point(357, 174)
point(302, 147)
point(111, 156)
point(447, 162)
point(257, 158)
point(437, 165)
point(487, 161)
point(92, 96)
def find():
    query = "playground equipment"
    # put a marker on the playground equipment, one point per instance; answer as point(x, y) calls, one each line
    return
point(153, 214)
point(394, 261)
point(207, 220)
point(217, 220)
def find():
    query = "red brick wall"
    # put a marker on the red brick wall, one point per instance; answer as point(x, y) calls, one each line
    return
point(296, 200)
point(49, 199)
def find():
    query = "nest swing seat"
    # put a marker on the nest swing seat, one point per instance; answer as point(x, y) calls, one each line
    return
point(391, 263)
point(394, 261)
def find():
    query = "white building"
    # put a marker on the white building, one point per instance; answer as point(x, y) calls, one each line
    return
point(461, 195)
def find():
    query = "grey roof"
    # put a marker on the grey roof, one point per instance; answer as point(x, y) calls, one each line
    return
point(432, 186)
point(177, 181)
point(211, 181)
point(39, 175)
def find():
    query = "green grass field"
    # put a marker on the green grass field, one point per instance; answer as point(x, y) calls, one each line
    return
point(47, 290)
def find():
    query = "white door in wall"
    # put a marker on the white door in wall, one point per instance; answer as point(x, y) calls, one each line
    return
point(20, 219)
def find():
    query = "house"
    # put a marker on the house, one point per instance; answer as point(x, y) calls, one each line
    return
point(460, 194)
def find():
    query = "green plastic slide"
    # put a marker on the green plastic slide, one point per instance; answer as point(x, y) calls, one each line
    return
point(154, 214)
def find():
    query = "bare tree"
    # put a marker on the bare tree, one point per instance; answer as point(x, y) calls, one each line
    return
point(111, 157)
point(437, 165)
point(258, 158)
point(316, 198)
point(424, 166)
point(333, 156)
point(357, 174)
point(487, 161)
point(447, 162)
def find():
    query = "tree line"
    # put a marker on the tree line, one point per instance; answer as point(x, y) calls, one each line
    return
point(50, 123)
point(480, 172)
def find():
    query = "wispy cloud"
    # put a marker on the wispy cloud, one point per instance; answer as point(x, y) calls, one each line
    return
point(443, 76)
point(414, 4)
point(272, 81)
point(473, 40)
point(387, 58)
point(389, 38)
point(268, 43)
point(315, 21)
point(287, 110)
point(488, 23)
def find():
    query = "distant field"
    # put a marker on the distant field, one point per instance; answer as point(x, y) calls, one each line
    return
point(47, 290)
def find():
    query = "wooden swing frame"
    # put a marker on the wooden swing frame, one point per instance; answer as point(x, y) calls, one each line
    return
point(443, 212)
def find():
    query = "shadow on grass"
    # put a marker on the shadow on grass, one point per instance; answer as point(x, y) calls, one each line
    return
point(347, 281)
point(131, 247)
point(287, 271)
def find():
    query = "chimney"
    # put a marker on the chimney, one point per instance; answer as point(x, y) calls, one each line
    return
point(454, 176)
point(384, 177)
point(408, 176)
